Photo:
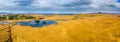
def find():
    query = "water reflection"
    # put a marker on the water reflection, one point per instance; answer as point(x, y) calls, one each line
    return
point(39, 24)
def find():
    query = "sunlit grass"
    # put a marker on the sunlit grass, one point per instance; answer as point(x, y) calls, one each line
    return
point(78, 28)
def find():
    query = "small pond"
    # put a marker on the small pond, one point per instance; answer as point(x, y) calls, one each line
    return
point(40, 23)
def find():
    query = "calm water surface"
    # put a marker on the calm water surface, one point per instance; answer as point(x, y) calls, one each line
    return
point(39, 24)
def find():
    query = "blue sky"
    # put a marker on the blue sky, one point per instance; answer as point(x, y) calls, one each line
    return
point(59, 6)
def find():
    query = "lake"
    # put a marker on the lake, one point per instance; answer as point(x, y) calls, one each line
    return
point(39, 24)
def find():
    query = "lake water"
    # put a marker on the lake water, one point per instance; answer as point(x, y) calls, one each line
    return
point(39, 24)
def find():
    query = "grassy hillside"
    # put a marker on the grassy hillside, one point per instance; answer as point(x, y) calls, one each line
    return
point(4, 33)
point(81, 28)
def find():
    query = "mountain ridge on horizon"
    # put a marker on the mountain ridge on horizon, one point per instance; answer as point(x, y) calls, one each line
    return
point(60, 13)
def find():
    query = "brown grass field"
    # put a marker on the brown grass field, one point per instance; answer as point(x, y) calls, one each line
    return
point(71, 28)
point(4, 33)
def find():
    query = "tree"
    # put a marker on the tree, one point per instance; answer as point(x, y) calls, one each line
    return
point(30, 17)
point(2, 18)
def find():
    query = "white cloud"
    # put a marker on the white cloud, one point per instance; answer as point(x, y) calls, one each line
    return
point(82, 5)
point(59, 3)
point(51, 3)
point(7, 3)
point(104, 3)
point(4, 4)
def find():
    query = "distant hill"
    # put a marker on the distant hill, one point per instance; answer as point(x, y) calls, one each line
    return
point(61, 13)
point(5, 13)
point(103, 13)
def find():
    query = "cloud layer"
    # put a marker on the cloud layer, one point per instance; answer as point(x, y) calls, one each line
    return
point(60, 6)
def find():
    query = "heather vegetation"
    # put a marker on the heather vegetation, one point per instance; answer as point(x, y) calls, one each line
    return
point(71, 28)
point(15, 17)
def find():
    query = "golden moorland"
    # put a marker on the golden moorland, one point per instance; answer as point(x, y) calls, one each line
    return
point(69, 28)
